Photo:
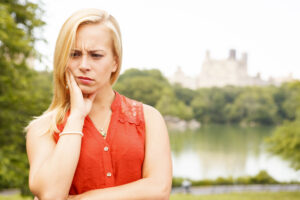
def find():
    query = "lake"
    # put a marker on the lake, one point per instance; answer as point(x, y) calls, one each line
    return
point(226, 150)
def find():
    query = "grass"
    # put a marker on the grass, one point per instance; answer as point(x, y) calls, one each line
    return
point(232, 196)
point(241, 196)
point(14, 197)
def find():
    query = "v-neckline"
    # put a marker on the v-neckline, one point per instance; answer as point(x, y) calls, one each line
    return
point(112, 108)
point(108, 132)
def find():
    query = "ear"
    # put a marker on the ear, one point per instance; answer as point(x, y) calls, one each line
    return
point(114, 68)
point(115, 65)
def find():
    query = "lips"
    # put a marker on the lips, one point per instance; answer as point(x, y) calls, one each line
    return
point(85, 80)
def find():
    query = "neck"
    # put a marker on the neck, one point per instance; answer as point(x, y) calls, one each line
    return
point(104, 98)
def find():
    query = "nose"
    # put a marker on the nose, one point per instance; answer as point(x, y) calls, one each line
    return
point(84, 64)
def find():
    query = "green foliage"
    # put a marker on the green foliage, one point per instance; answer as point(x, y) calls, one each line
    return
point(15, 115)
point(18, 20)
point(244, 105)
point(209, 104)
point(151, 87)
point(15, 197)
point(291, 103)
point(143, 85)
point(285, 141)
point(253, 105)
point(168, 104)
point(184, 94)
point(261, 178)
point(21, 89)
point(177, 181)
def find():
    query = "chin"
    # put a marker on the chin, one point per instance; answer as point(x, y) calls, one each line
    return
point(86, 90)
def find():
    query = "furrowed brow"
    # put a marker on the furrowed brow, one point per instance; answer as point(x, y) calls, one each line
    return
point(95, 50)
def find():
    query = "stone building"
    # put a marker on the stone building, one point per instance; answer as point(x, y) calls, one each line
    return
point(218, 73)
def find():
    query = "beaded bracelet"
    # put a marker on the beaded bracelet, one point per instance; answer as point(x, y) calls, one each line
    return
point(71, 132)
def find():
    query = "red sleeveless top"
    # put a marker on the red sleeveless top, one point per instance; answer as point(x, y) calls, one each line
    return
point(117, 159)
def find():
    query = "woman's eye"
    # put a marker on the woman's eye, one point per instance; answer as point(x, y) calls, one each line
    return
point(75, 54)
point(95, 55)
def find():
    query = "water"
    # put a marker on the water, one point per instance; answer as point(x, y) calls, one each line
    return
point(226, 150)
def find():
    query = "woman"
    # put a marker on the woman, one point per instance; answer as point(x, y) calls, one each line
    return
point(92, 142)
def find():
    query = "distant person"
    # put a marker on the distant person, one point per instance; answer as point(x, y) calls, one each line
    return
point(92, 142)
point(186, 184)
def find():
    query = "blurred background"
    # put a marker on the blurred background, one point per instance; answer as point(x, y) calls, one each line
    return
point(224, 74)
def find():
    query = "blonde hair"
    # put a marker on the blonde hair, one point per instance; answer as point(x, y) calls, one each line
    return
point(66, 40)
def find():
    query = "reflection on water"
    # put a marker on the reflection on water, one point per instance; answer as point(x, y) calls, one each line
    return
point(226, 150)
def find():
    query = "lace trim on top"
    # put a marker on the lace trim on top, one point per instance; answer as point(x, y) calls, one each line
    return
point(131, 111)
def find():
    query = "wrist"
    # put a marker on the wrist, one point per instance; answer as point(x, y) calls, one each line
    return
point(76, 121)
point(77, 115)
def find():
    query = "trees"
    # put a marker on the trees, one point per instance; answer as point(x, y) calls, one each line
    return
point(209, 104)
point(250, 105)
point(253, 105)
point(142, 85)
point(151, 87)
point(168, 104)
point(285, 141)
point(20, 94)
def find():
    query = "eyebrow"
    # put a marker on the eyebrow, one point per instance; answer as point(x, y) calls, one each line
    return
point(93, 50)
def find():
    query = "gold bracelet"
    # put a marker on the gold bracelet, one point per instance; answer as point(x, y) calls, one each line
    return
point(71, 132)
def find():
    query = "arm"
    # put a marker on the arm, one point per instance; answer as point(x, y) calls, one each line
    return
point(157, 168)
point(52, 166)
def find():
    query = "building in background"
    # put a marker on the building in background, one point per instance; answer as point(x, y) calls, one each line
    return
point(219, 73)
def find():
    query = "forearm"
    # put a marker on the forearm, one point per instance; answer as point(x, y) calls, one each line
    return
point(55, 176)
point(143, 189)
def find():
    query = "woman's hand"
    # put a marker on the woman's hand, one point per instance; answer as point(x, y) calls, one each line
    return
point(74, 197)
point(80, 104)
point(70, 197)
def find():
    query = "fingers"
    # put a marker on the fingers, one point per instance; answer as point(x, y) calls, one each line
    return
point(72, 84)
point(68, 78)
point(72, 79)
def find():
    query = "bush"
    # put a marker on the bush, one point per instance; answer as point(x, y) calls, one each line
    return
point(261, 178)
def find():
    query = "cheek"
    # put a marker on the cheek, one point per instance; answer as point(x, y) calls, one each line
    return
point(71, 65)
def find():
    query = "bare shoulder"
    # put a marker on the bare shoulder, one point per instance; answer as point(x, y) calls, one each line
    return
point(39, 141)
point(154, 121)
point(152, 114)
point(39, 125)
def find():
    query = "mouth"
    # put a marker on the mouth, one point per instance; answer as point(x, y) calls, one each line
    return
point(85, 80)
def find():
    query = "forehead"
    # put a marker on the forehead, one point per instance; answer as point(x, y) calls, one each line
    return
point(93, 36)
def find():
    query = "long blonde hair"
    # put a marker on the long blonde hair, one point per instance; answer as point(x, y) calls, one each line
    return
point(65, 41)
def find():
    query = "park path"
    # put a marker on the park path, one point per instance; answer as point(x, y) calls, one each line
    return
point(218, 189)
point(221, 189)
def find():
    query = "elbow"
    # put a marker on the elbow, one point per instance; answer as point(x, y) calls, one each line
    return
point(164, 192)
point(46, 194)
point(50, 196)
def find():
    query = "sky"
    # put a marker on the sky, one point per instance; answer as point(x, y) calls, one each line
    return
point(165, 34)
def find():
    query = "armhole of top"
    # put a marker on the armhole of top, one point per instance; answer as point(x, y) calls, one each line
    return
point(142, 114)
point(60, 127)
point(56, 134)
